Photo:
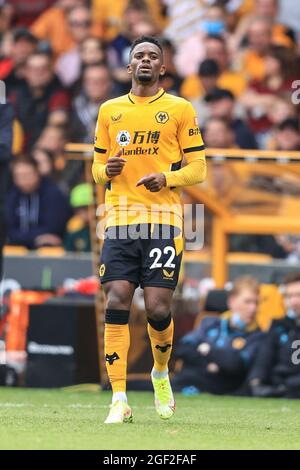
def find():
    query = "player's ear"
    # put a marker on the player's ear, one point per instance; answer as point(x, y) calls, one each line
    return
point(129, 69)
point(162, 71)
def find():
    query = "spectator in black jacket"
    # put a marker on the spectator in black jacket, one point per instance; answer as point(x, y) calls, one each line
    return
point(276, 371)
point(6, 125)
point(96, 88)
point(23, 44)
point(36, 210)
point(218, 355)
point(222, 105)
point(40, 100)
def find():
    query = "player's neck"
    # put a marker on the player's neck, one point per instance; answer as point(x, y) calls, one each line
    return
point(140, 89)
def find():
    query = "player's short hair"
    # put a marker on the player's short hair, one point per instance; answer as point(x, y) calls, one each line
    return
point(143, 39)
point(291, 278)
point(244, 282)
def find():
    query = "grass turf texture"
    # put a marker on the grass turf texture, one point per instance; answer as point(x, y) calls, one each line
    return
point(56, 419)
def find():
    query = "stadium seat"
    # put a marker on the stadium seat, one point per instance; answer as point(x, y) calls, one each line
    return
point(12, 250)
point(216, 301)
point(196, 256)
point(255, 258)
point(55, 251)
point(271, 305)
point(236, 257)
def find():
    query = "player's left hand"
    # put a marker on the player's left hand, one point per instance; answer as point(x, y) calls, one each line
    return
point(153, 182)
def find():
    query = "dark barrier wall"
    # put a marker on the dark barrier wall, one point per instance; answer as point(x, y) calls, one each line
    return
point(61, 345)
point(40, 269)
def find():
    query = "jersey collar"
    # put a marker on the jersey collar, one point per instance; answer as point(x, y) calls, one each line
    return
point(145, 99)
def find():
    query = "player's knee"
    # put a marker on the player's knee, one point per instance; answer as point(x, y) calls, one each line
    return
point(118, 299)
point(157, 309)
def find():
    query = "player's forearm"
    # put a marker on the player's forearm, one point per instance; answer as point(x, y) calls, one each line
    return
point(99, 173)
point(193, 173)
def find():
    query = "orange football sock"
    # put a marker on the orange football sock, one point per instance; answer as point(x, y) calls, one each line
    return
point(116, 346)
point(161, 342)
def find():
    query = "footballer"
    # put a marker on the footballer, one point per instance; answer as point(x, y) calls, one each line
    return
point(140, 142)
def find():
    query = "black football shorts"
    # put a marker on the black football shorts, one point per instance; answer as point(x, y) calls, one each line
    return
point(144, 254)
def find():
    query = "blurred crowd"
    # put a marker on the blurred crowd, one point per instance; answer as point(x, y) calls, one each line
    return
point(237, 61)
point(230, 354)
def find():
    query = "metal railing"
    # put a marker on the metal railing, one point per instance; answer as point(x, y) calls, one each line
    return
point(225, 222)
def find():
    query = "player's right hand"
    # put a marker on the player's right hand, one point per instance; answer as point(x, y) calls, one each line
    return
point(114, 165)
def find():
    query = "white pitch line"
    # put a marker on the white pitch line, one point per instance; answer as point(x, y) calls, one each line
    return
point(15, 405)
point(93, 406)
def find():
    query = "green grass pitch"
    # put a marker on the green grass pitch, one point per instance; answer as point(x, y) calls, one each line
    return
point(56, 419)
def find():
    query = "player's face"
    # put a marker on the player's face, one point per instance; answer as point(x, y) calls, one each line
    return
point(146, 63)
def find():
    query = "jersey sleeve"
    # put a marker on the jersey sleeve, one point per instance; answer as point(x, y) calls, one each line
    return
point(192, 146)
point(101, 149)
point(189, 134)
